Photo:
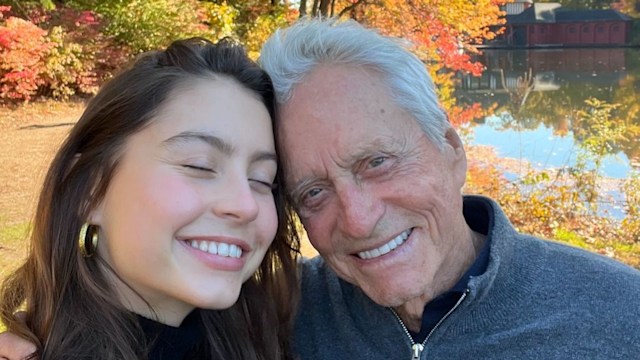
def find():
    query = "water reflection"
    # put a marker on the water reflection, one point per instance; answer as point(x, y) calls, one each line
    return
point(540, 91)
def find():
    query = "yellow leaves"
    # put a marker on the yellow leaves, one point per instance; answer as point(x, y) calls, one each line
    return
point(263, 27)
point(221, 19)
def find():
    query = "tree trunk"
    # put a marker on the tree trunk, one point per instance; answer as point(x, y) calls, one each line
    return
point(303, 8)
point(324, 8)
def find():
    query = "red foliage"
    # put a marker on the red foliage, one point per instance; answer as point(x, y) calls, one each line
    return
point(442, 30)
point(23, 49)
point(87, 17)
point(443, 38)
point(55, 53)
point(85, 29)
point(4, 9)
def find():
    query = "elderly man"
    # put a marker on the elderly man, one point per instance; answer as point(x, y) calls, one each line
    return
point(410, 268)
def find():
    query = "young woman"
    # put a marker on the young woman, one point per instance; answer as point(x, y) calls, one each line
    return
point(159, 232)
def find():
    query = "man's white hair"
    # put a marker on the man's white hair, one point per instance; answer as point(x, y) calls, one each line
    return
point(294, 52)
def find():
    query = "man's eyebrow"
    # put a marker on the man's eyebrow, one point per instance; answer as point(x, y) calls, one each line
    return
point(296, 189)
point(211, 140)
point(380, 144)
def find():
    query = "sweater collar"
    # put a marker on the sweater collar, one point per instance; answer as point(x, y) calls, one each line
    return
point(169, 342)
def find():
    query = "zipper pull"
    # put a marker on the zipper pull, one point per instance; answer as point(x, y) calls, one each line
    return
point(417, 350)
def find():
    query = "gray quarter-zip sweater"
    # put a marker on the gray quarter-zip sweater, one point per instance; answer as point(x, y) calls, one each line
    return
point(536, 300)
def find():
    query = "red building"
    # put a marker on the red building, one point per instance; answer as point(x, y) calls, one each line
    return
point(548, 24)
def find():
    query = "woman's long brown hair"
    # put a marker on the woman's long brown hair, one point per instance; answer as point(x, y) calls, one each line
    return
point(72, 311)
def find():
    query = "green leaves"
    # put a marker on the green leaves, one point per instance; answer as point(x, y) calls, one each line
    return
point(145, 25)
point(47, 4)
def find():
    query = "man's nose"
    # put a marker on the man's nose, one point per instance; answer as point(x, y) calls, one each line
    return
point(360, 210)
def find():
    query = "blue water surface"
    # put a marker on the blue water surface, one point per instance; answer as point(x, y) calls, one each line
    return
point(541, 147)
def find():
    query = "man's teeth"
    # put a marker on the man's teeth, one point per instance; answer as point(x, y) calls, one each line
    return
point(397, 241)
point(216, 248)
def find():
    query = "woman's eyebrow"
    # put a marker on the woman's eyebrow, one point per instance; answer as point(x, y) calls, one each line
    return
point(213, 141)
point(216, 143)
point(265, 156)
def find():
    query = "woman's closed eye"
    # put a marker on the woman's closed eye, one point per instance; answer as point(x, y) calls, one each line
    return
point(262, 186)
point(198, 168)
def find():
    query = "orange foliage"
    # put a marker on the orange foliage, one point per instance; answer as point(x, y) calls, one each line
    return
point(23, 47)
point(463, 115)
point(440, 29)
point(443, 34)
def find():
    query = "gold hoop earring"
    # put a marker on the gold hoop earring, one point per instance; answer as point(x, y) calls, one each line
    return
point(88, 240)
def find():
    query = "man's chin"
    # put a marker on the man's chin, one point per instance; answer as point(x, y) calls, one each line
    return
point(377, 287)
point(393, 297)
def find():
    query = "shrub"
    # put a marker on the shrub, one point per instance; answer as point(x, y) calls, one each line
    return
point(82, 50)
point(563, 204)
point(631, 222)
point(57, 53)
point(23, 49)
point(144, 25)
point(67, 72)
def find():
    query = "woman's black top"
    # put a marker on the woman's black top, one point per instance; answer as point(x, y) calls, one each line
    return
point(172, 343)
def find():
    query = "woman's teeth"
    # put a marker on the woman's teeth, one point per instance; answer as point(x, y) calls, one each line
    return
point(216, 248)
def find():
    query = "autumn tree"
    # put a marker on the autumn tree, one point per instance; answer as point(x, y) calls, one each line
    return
point(443, 32)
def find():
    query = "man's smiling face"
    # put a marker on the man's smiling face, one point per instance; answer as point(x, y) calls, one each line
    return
point(379, 201)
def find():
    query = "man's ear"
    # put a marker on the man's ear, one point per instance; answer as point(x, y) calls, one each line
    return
point(459, 156)
point(452, 138)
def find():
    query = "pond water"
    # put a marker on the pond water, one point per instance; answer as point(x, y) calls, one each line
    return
point(535, 95)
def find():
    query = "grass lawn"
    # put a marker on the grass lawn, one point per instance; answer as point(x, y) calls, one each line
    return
point(29, 136)
point(12, 245)
point(13, 249)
